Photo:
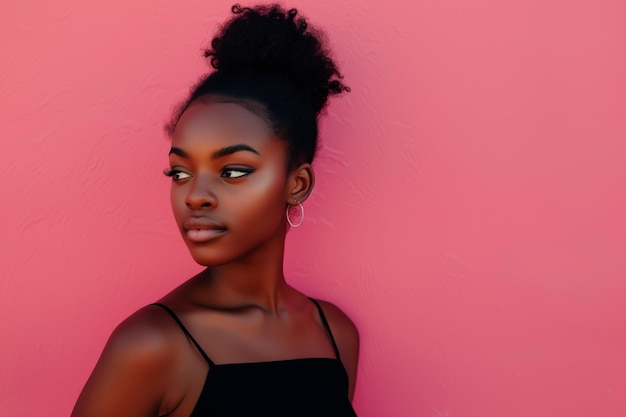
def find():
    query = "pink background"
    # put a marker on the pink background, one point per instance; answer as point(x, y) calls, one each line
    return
point(469, 212)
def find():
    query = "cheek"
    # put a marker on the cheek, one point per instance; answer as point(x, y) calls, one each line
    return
point(264, 200)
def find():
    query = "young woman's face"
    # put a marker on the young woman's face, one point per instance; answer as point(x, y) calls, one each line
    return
point(229, 182)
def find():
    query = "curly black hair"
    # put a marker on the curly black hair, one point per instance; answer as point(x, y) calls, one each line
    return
point(271, 61)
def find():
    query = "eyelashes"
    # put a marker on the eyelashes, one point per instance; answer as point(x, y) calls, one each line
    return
point(236, 172)
point(230, 173)
point(176, 174)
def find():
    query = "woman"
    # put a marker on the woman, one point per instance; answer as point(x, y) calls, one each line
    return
point(236, 339)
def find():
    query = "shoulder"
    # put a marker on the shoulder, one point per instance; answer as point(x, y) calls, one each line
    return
point(144, 336)
point(343, 328)
point(134, 369)
point(346, 337)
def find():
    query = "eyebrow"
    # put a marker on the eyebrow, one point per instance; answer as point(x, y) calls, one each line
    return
point(229, 150)
point(220, 153)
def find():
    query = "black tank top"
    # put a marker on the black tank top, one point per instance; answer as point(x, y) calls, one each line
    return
point(315, 387)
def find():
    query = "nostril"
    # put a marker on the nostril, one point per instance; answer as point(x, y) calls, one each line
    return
point(198, 201)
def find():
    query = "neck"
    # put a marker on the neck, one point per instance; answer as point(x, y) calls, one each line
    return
point(256, 280)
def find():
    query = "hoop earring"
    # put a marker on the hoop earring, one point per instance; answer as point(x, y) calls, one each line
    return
point(301, 215)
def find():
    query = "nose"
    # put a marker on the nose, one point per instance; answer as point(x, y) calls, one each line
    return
point(200, 195)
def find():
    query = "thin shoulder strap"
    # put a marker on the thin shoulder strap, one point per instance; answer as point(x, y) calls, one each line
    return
point(184, 329)
point(325, 322)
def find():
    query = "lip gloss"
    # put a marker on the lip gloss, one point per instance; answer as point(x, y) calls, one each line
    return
point(204, 235)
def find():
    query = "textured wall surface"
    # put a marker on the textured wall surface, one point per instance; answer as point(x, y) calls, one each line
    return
point(469, 212)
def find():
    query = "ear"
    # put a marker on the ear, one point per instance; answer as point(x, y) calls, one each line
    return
point(300, 184)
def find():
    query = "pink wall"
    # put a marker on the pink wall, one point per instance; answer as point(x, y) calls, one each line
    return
point(469, 212)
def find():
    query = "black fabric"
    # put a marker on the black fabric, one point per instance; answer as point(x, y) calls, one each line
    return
point(310, 387)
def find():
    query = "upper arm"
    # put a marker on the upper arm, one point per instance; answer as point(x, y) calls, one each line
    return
point(131, 376)
point(346, 336)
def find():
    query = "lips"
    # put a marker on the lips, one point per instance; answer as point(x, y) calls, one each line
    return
point(202, 229)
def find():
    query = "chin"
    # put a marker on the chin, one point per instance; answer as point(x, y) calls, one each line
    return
point(208, 258)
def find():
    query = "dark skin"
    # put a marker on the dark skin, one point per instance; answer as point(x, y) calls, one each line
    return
point(230, 207)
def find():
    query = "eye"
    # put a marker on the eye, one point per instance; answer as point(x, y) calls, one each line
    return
point(236, 172)
point(176, 174)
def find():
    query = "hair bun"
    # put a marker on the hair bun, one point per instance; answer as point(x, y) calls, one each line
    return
point(269, 39)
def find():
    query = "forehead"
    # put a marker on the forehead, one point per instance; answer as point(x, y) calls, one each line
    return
point(221, 122)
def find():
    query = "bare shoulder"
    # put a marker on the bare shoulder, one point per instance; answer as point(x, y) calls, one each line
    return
point(131, 376)
point(346, 336)
point(342, 326)
point(143, 337)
